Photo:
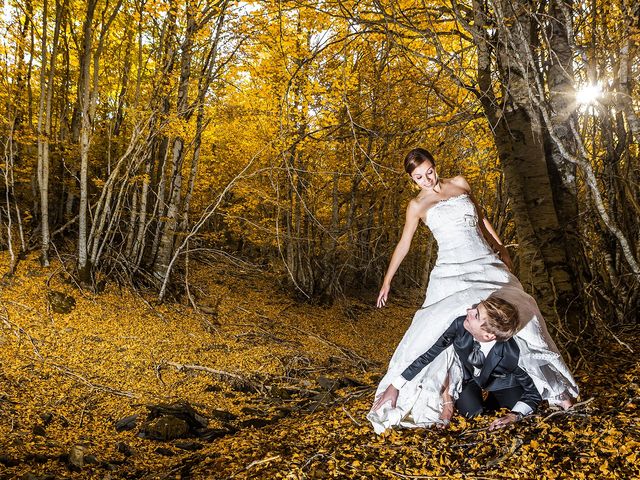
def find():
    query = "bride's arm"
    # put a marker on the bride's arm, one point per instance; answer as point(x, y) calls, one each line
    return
point(401, 250)
point(488, 232)
point(492, 237)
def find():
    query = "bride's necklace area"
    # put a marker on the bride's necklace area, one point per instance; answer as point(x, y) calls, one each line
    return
point(431, 197)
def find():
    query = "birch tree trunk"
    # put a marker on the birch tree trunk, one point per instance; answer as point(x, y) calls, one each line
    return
point(44, 124)
point(560, 81)
point(160, 150)
point(207, 76)
point(16, 116)
point(43, 147)
point(89, 88)
point(519, 139)
point(8, 173)
point(84, 93)
point(169, 231)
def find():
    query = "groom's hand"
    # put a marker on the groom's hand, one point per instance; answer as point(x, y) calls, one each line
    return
point(391, 393)
point(504, 421)
point(566, 402)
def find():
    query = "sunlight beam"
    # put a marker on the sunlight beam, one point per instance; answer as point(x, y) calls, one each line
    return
point(589, 94)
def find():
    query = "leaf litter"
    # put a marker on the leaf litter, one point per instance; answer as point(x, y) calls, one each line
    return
point(255, 385)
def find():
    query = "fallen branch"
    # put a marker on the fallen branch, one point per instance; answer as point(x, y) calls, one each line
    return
point(404, 475)
point(260, 462)
point(202, 368)
point(220, 374)
point(93, 386)
point(234, 378)
point(569, 411)
point(515, 444)
point(347, 353)
point(349, 415)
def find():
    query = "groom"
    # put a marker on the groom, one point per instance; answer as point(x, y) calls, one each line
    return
point(483, 340)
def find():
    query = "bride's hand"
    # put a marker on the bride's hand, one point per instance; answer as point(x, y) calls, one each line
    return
point(503, 253)
point(390, 394)
point(382, 296)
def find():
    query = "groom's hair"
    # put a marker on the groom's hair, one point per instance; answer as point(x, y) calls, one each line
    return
point(502, 318)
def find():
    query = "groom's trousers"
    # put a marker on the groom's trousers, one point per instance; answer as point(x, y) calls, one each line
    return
point(471, 403)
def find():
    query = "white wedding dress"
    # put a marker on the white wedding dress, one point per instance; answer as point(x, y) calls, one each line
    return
point(466, 271)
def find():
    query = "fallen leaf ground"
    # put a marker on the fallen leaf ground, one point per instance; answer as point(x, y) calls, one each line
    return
point(285, 388)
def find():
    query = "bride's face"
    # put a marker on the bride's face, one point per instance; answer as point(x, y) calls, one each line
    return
point(425, 175)
point(474, 323)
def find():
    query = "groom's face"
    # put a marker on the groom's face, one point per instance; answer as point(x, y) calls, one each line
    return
point(476, 318)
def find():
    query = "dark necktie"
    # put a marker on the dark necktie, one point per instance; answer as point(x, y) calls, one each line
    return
point(476, 357)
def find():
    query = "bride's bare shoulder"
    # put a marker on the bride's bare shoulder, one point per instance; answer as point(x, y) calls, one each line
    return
point(418, 206)
point(460, 182)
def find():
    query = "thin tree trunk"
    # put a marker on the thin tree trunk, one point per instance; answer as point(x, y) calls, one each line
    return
point(84, 92)
point(89, 104)
point(44, 125)
point(206, 77)
point(167, 60)
point(43, 150)
point(8, 169)
point(560, 80)
point(126, 71)
point(165, 249)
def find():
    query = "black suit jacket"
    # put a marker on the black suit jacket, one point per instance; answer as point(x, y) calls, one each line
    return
point(500, 369)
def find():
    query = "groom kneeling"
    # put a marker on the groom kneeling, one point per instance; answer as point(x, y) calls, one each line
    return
point(489, 355)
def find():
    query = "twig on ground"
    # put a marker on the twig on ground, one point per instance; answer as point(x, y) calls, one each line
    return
point(93, 386)
point(569, 411)
point(346, 352)
point(155, 311)
point(220, 374)
point(202, 368)
point(471, 431)
point(349, 415)
point(157, 369)
point(268, 336)
point(462, 445)
point(260, 462)
point(311, 458)
point(186, 280)
point(29, 309)
point(187, 463)
point(321, 401)
point(18, 331)
point(359, 392)
point(404, 475)
point(84, 409)
point(288, 380)
point(515, 444)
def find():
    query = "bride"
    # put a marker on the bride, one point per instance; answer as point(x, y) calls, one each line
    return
point(467, 270)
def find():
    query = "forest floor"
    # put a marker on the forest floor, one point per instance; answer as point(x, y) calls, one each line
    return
point(255, 385)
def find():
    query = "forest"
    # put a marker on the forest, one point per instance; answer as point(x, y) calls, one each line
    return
point(200, 199)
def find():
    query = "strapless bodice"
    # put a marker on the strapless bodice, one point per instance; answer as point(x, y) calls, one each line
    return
point(454, 224)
